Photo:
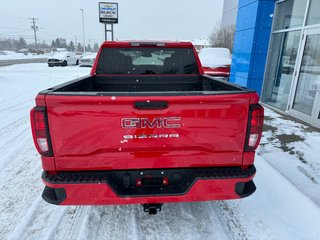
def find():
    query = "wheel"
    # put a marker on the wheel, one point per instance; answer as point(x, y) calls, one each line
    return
point(77, 63)
point(65, 63)
point(50, 65)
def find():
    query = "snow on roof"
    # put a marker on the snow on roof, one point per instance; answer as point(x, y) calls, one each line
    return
point(198, 42)
point(215, 57)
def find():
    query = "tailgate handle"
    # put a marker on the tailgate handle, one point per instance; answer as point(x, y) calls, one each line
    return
point(148, 105)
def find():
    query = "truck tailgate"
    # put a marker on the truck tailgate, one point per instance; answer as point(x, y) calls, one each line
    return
point(108, 132)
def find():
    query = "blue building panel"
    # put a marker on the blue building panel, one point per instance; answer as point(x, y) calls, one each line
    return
point(256, 84)
point(239, 80)
point(262, 36)
point(243, 3)
point(241, 64)
point(251, 41)
point(243, 40)
point(258, 65)
point(266, 14)
point(249, 15)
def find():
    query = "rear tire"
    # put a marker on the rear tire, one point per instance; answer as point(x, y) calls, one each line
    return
point(65, 63)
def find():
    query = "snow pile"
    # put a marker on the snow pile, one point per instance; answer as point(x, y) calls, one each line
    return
point(10, 55)
point(215, 57)
point(293, 149)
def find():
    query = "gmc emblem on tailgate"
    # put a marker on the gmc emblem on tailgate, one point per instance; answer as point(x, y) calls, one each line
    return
point(166, 122)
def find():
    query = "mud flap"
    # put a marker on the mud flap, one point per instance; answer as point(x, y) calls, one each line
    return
point(245, 189)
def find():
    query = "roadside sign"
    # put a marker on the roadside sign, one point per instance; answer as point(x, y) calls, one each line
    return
point(108, 12)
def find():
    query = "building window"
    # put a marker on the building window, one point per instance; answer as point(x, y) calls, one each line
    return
point(280, 67)
point(313, 14)
point(289, 14)
point(309, 76)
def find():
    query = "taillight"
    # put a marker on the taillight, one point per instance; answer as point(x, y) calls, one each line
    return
point(40, 131)
point(223, 71)
point(255, 126)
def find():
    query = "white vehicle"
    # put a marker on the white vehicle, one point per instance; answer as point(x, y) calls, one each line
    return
point(87, 59)
point(215, 61)
point(62, 59)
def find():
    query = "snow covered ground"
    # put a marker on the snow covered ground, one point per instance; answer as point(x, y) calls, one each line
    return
point(286, 204)
point(10, 55)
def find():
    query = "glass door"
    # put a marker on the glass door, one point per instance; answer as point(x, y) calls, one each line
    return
point(305, 102)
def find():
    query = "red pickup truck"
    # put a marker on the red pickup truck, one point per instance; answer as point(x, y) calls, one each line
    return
point(146, 127)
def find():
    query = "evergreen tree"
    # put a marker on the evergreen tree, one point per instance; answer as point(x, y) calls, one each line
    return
point(88, 48)
point(63, 43)
point(79, 47)
point(96, 47)
point(71, 46)
point(22, 43)
point(53, 44)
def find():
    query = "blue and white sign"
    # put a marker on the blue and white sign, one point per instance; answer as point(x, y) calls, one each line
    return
point(108, 12)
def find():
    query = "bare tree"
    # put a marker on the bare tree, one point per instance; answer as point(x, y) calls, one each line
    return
point(222, 36)
point(12, 44)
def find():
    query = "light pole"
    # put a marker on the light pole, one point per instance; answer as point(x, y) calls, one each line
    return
point(84, 42)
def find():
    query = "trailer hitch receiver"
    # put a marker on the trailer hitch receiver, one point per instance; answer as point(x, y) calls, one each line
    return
point(152, 209)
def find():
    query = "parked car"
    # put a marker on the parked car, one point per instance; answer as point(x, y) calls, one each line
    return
point(62, 59)
point(215, 61)
point(142, 131)
point(87, 59)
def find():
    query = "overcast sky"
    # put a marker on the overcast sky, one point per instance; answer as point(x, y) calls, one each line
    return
point(138, 19)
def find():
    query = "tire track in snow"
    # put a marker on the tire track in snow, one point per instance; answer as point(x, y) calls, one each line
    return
point(20, 185)
point(23, 108)
point(113, 222)
point(13, 138)
point(135, 228)
point(52, 230)
point(175, 221)
point(9, 154)
point(19, 105)
point(8, 128)
point(17, 170)
point(233, 220)
point(91, 223)
point(40, 222)
point(21, 228)
point(70, 222)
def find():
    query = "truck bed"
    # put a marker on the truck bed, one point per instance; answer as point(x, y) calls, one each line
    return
point(155, 85)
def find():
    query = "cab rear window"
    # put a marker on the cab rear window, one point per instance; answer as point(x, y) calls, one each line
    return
point(147, 61)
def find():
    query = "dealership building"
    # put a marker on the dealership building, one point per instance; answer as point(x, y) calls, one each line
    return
point(277, 53)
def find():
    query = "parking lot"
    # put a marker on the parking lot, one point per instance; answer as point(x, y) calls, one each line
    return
point(286, 204)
